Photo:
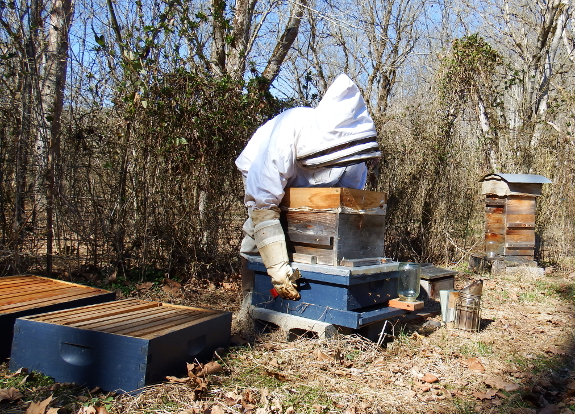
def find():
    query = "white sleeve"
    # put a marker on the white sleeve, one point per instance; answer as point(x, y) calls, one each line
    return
point(271, 169)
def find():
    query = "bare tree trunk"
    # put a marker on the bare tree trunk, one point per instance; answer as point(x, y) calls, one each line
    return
point(243, 15)
point(284, 43)
point(219, 36)
point(53, 95)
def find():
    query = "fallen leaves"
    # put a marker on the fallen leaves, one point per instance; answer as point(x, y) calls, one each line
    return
point(430, 378)
point(196, 376)
point(499, 383)
point(39, 407)
point(10, 395)
point(485, 395)
point(474, 365)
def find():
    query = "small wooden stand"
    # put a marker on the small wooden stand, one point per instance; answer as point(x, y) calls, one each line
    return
point(408, 306)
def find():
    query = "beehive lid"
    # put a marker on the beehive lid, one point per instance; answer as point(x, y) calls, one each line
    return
point(518, 178)
point(130, 317)
point(317, 198)
point(21, 293)
point(513, 184)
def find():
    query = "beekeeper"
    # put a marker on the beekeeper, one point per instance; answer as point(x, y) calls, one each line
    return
point(326, 146)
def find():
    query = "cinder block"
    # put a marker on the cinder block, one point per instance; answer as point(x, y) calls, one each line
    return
point(121, 345)
point(28, 295)
point(291, 323)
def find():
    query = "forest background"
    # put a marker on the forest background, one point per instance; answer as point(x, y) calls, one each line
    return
point(120, 121)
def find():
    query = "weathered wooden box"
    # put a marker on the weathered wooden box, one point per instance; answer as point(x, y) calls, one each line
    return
point(434, 279)
point(28, 295)
point(510, 203)
point(344, 296)
point(334, 226)
point(120, 345)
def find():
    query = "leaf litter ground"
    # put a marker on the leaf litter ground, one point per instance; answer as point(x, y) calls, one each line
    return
point(520, 362)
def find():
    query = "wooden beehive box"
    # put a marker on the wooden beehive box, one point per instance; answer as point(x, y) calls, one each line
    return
point(120, 345)
point(28, 295)
point(510, 202)
point(343, 296)
point(334, 226)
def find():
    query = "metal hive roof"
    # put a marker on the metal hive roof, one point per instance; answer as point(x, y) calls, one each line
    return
point(520, 178)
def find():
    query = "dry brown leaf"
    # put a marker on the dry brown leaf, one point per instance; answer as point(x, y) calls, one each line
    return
point(474, 364)
point(178, 380)
point(53, 410)
point(424, 387)
point(290, 410)
point(277, 375)
point(485, 395)
point(212, 367)
point(248, 407)
point(101, 410)
point(39, 407)
point(554, 350)
point(10, 394)
point(321, 356)
point(172, 283)
point(430, 378)
point(17, 372)
point(216, 409)
point(87, 410)
point(144, 286)
point(237, 340)
point(511, 387)
point(249, 397)
point(171, 290)
point(496, 382)
point(274, 363)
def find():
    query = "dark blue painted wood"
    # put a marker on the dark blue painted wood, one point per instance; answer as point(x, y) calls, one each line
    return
point(338, 296)
point(340, 276)
point(7, 319)
point(114, 362)
point(319, 301)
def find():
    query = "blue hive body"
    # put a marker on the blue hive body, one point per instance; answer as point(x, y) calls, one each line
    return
point(345, 296)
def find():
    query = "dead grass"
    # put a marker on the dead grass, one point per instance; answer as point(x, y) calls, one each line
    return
point(520, 361)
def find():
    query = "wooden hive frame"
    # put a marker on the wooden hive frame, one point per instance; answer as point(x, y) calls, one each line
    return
point(121, 345)
point(131, 317)
point(25, 295)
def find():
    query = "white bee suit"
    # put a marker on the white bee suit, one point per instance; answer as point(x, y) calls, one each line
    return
point(304, 147)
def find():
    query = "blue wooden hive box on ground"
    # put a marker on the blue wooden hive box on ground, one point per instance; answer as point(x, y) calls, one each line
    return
point(351, 297)
point(118, 346)
point(28, 295)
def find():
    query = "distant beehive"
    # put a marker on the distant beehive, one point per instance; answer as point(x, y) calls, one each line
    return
point(510, 201)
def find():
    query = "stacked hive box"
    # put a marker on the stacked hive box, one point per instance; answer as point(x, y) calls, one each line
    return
point(510, 201)
point(120, 345)
point(335, 238)
point(334, 226)
point(27, 295)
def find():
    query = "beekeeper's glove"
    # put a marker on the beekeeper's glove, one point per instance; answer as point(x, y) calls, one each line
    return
point(270, 239)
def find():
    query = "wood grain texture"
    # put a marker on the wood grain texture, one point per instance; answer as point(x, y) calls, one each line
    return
point(332, 198)
point(130, 317)
point(18, 293)
point(360, 236)
point(409, 306)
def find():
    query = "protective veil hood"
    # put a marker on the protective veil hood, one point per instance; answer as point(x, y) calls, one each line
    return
point(340, 130)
